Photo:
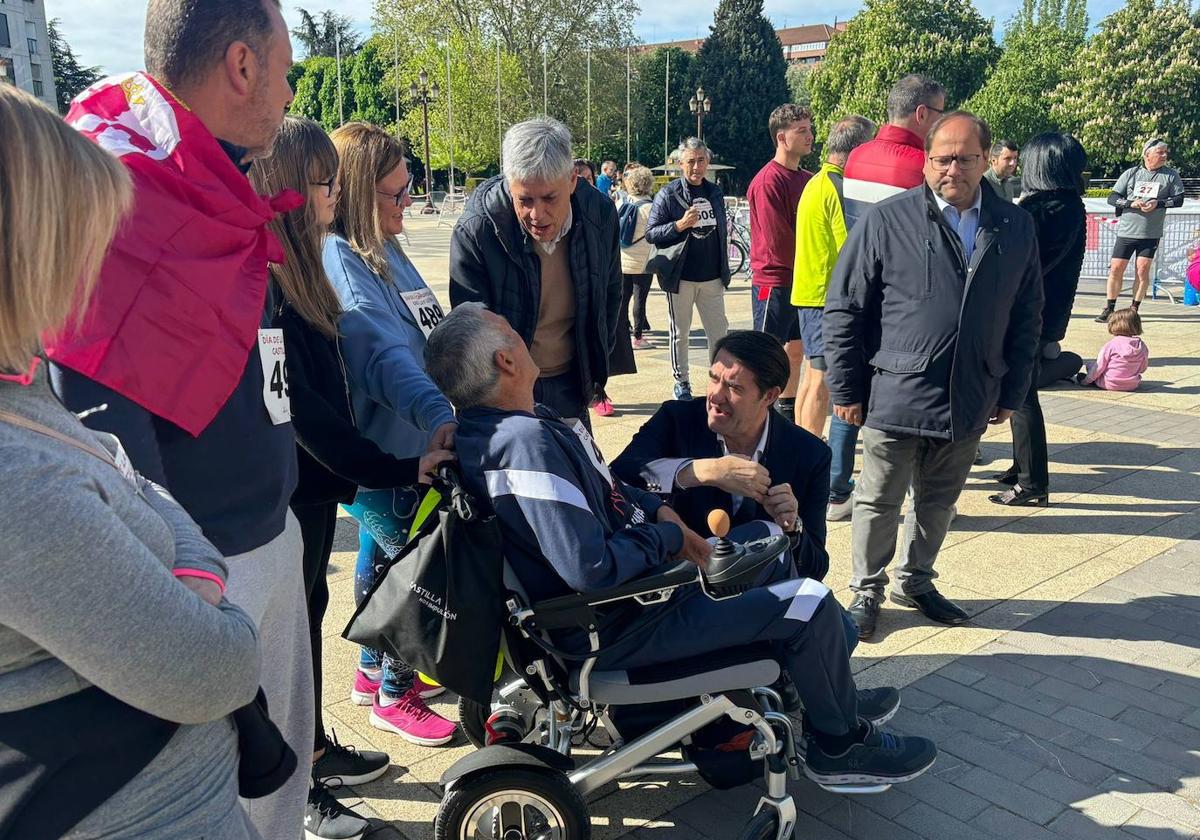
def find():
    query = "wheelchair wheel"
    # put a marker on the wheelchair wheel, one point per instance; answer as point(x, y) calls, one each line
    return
point(520, 803)
point(764, 826)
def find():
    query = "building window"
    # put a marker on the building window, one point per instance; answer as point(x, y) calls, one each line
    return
point(32, 44)
point(5, 40)
point(38, 88)
point(7, 74)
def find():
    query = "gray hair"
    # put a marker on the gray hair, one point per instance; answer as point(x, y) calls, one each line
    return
point(639, 181)
point(537, 150)
point(693, 144)
point(848, 134)
point(460, 355)
point(911, 91)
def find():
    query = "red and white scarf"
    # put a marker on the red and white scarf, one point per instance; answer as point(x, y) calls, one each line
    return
point(182, 290)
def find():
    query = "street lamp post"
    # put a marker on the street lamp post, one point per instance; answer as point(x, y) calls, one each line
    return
point(701, 106)
point(423, 94)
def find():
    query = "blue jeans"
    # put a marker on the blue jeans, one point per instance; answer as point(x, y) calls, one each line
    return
point(843, 437)
point(384, 518)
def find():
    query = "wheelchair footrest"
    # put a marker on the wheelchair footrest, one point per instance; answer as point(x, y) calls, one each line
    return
point(855, 789)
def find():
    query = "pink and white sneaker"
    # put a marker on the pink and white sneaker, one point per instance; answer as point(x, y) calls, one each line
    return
point(427, 690)
point(365, 688)
point(412, 720)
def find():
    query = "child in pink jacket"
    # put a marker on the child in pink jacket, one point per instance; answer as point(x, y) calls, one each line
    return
point(1122, 361)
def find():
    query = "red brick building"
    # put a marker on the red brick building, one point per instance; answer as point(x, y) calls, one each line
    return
point(801, 44)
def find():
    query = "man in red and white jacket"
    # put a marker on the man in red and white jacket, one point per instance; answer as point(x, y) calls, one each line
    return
point(888, 165)
point(895, 160)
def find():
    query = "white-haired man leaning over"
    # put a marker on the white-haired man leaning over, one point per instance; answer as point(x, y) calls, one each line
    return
point(546, 256)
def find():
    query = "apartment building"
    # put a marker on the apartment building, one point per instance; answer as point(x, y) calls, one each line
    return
point(801, 44)
point(25, 48)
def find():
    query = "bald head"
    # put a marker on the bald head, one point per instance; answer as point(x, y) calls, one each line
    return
point(956, 155)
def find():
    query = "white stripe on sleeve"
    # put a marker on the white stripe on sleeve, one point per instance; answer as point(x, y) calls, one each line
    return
point(532, 484)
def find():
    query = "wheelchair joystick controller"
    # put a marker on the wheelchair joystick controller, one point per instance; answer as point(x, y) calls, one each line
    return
point(733, 568)
point(723, 549)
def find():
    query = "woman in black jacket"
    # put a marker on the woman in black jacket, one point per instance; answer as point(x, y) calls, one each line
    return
point(334, 458)
point(1052, 177)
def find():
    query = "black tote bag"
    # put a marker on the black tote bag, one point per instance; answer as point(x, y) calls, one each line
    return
point(440, 604)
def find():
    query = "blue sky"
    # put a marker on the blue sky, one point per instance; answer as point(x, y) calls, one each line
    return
point(109, 33)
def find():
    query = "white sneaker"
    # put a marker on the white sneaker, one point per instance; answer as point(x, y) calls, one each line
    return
point(840, 511)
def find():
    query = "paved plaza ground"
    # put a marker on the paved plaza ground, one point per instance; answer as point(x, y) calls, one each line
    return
point(1069, 706)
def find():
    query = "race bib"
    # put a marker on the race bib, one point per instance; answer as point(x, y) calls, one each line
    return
point(708, 216)
point(1146, 190)
point(274, 367)
point(592, 451)
point(425, 309)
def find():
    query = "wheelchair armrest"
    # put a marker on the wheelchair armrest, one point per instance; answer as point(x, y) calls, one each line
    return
point(578, 610)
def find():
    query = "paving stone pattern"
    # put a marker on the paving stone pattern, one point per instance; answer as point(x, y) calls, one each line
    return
point(1026, 751)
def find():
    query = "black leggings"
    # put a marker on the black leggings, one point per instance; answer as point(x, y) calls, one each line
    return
point(641, 284)
point(317, 526)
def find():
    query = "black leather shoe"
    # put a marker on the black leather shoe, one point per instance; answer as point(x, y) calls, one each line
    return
point(1102, 318)
point(864, 609)
point(1018, 496)
point(933, 605)
point(1008, 477)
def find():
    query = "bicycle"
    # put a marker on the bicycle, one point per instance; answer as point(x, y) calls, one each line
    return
point(739, 246)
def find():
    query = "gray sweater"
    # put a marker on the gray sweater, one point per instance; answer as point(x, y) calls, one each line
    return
point(89, 598)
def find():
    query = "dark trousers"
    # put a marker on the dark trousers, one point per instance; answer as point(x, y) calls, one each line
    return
point(1029, 440)
point(635, 290)
point(564, 394)
point(317, 525)
point(1061, 368)
point(811, 646)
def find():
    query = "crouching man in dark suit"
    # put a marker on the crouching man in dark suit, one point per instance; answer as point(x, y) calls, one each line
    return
point(730, 451)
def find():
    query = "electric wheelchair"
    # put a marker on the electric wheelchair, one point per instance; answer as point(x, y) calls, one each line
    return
point(529, 779)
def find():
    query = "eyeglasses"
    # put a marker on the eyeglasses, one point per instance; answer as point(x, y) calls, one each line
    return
point(936, 110)
point(330, 186)
point(942, 162)
point(397, 198)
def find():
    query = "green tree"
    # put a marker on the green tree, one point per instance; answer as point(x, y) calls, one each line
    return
point(372, 78)
point(797, 82)
point(945, 39)
point(70, 77)
point(316, 92)
point(561, 29)
point(1039, 44)
point(1138, 77)
point(648, 95)
point(473, 102)
point(742, 69)
point(325, 34)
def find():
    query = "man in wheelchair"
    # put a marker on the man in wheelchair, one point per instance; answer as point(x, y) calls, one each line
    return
point(570, 527)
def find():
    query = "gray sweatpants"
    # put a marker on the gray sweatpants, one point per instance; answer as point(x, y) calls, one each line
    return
point(268, 583)
point(936, 470)
point(708, 298)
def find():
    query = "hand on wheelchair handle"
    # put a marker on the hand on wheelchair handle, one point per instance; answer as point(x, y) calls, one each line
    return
point(431, 465)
